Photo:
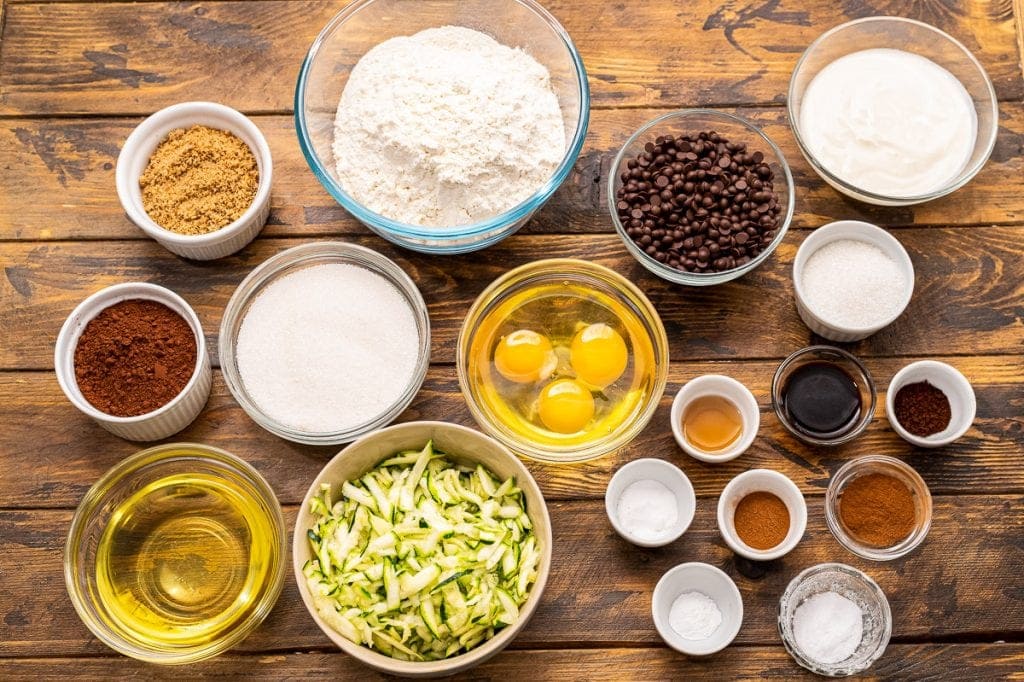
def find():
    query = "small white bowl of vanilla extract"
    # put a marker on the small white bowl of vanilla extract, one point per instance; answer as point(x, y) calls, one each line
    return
point(715, 418)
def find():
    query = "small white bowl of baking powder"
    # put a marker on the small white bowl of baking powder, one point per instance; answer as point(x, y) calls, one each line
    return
point(697, 609)
point(650, 502)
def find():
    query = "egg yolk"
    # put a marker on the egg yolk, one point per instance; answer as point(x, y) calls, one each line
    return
point(524, 356)
point(565, 406)
point(598, 355)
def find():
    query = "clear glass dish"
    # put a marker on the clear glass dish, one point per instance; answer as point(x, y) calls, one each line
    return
point(846, 361)
point(734, 128)
point(910, 36)
point(858, 588)
point(564, 272)
point(111, 491)
point(890, 466)
point(363, 24)
point(297, 258)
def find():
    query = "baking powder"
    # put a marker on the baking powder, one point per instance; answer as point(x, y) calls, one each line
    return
point(828, 627)
point(446, 127)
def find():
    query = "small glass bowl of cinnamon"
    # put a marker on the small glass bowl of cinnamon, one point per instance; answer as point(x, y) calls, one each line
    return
point(878, 507)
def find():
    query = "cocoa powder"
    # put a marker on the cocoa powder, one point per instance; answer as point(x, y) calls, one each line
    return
point(134, 357)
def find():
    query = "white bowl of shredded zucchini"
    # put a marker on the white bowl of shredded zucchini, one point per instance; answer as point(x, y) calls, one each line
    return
point(422, 549)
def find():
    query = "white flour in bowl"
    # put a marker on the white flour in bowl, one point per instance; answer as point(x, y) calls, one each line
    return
point(446, 127)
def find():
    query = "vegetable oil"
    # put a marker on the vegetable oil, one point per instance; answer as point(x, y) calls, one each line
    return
point(185, 559)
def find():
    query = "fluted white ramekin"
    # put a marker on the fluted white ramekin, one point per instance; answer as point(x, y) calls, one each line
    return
point(140, 146)
point(162, 422)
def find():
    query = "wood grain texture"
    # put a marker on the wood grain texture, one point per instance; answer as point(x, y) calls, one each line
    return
point(900, 661)
point(69, 451)
point(969, 283)
point(135, 58)
point(71, 163)
point(598, 593)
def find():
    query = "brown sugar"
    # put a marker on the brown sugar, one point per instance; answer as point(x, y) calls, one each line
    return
point(199, 180)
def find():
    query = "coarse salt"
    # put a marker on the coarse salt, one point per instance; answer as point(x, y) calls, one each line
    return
point(327, 348)
point(852, 283)
point(694, 616)
point(828, 627)
point(647, 510)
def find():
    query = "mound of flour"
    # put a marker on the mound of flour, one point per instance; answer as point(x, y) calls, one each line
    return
point(446, 127)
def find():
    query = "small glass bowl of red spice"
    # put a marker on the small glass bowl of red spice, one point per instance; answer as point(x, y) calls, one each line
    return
point(133, 358)
point(930, 404)
point(878, 507)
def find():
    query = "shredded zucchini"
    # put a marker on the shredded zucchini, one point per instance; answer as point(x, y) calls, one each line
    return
point(421, 558)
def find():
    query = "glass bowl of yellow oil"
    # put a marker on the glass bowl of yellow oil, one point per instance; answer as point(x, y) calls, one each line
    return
point(562, 360)
point(176, 554)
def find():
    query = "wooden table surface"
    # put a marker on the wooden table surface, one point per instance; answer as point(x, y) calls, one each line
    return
point(75, 77)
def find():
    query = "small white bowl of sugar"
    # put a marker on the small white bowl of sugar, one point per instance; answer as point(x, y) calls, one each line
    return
point(851, 279)
point(650, 502)
point(697, 609)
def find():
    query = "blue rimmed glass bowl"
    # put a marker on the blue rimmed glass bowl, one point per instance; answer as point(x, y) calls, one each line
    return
point(365, 23)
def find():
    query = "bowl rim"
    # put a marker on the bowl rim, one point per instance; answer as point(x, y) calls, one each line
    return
point(822, 237)
point(855, 574)
point(701, 278)
point(154, 455)
point(849, 472)
point(443, 235)
point(728, 531)
point(675, 479)
point(486, 649)
point(691, 391)
point(868, 410)
point(665, 628)
point(936, 367)
point(71, 331)
point(551, 267)
point(183, 113)
point(305, 255)
point(962, 178)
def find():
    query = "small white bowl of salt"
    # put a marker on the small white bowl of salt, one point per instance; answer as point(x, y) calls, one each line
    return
point(650, 502)
point(697, 609)
point(851, 279)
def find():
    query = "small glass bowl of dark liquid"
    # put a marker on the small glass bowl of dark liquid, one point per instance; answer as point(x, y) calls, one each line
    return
point(823, 395)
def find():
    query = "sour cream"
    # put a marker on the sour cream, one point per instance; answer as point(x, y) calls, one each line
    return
point(889, 122)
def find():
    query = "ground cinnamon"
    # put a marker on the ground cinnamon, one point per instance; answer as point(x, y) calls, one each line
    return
point(761, 520)
point(134, 357)
point(878, 510)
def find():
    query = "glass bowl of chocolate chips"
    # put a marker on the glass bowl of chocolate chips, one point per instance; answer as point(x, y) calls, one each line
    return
point(700, 197)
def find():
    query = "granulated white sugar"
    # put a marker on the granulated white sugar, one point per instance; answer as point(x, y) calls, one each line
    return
point(852, 283)
point(447, 127)
point(327, 348)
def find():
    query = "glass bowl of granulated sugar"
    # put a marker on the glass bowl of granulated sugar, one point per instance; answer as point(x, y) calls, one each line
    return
point(442, 126)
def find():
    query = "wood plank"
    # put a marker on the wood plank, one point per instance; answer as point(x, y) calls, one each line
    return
point(68, 451)
point(900, 661)
point(134, 58)
point(963, 582)
point(969, 282)
point(71, 162)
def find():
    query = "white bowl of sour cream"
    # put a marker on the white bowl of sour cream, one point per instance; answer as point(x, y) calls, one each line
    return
point(892, 111)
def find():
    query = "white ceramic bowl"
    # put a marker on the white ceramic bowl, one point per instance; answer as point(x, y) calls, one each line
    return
point(858, 231)
point(461, 444)
point(949, 380)
point(767, 481)
point(162, 422)
point(134, 157)
point(667, 474)
point(712, 582)
point(730, 389)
